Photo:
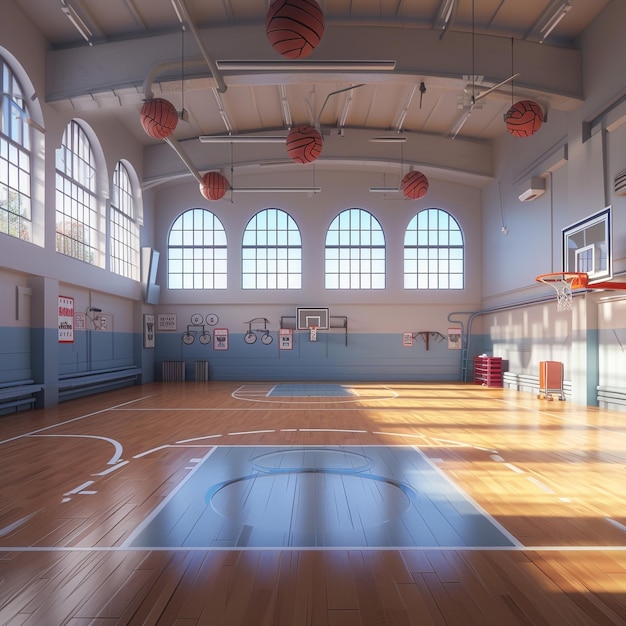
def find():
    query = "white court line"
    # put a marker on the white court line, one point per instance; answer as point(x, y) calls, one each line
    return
point(124, 548)
point(379, 432)
point(15, 525)
point(197, 439)
point(516, 469)
point(148, 519)
point(116, 444)
point(111, 469)
point(80, 488)
point(541, 485)
point(616, 524)
point(469, 499)
point(142, 454)
point(330, 430)
point(253, 432)
point(76, 419)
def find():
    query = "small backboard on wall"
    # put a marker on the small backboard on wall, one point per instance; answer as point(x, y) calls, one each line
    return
point(309, 317)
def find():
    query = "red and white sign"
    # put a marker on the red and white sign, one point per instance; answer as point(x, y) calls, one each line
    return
point(66, 319)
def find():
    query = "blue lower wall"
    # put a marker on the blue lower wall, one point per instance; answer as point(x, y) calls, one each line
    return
point(375, 357)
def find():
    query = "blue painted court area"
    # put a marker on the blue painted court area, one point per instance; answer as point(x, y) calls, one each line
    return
point(294, 390)
point(323, 497)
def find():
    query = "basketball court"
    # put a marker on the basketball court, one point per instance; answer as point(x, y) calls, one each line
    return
point(290, 493)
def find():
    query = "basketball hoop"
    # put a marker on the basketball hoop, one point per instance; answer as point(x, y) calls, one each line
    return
point(312, 333)
point(564, 283)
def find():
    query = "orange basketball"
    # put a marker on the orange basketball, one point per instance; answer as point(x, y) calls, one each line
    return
point(214, 186)
point(414, 185)
point(304, 144)
point(159, 118)
point(294, 27)
point(524, 118)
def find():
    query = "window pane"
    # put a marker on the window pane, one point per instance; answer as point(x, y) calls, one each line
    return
point(15, 159)
point(271, 237)
point(433, 237)
point(193, 237)
point(124, 231)
point(355, 237)
point(76, 206)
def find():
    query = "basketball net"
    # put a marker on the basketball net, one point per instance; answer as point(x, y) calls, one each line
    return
point(312, 333)
point(563, 283)
point(563, 290)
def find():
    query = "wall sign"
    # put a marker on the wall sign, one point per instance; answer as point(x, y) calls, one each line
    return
point(148, 330)
point(454, 339)
point(407, 339)
point(166, 321)
point(220, 339)
point(66, 319)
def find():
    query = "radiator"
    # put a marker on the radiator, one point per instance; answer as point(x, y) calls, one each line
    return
point(173, 371)
point(202, 371)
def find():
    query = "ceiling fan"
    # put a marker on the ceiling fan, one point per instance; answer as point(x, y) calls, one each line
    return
point(474, 96)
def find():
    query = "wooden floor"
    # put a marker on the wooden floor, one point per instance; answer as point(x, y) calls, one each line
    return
point(79, 480)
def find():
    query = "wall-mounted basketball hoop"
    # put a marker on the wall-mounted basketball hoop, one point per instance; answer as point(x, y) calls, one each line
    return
point(564, 283)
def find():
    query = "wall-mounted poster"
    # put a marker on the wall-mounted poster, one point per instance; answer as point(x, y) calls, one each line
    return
point(148, 330)
point(166, 321)
point(454, 339)
point(66, 319)
point(220, 339)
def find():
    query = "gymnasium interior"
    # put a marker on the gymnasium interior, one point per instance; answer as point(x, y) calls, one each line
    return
point(312, 312)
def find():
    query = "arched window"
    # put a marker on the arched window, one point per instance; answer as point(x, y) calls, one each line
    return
point(77, 224)
point(197, 252)
point(433, 252)
point(124, 249)
point(15, 158)
point(355, 252)
point(271, 253)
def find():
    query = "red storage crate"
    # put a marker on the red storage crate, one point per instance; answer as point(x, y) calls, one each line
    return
point(488, 371)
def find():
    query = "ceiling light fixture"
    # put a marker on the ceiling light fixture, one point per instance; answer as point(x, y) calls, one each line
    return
point(277, 189)
point(384, 189)
point(306, 66)
point(553, 20)
point(388, 139)
point(77, 22)
point(549, 20)
point(242, 138)
point(445, 15)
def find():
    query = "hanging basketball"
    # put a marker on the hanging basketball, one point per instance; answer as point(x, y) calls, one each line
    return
point(214, 186)
point(304, 144)
point(414, 185)
point(524, 118)
point(294, 27)
point(159, 118)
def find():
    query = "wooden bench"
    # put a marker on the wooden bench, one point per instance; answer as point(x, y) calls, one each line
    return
point(18, 395)
point(78, 384)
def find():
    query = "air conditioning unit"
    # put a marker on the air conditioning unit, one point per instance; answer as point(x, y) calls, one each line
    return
point(619, 184)
point(534, 188)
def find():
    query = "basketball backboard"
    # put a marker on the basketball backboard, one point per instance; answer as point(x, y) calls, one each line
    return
point(587, 247)
point(307, 318)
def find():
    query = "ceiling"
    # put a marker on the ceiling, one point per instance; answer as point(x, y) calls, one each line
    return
point(141, 48)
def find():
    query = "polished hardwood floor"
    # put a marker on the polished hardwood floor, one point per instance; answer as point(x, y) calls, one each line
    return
point(79, 482)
